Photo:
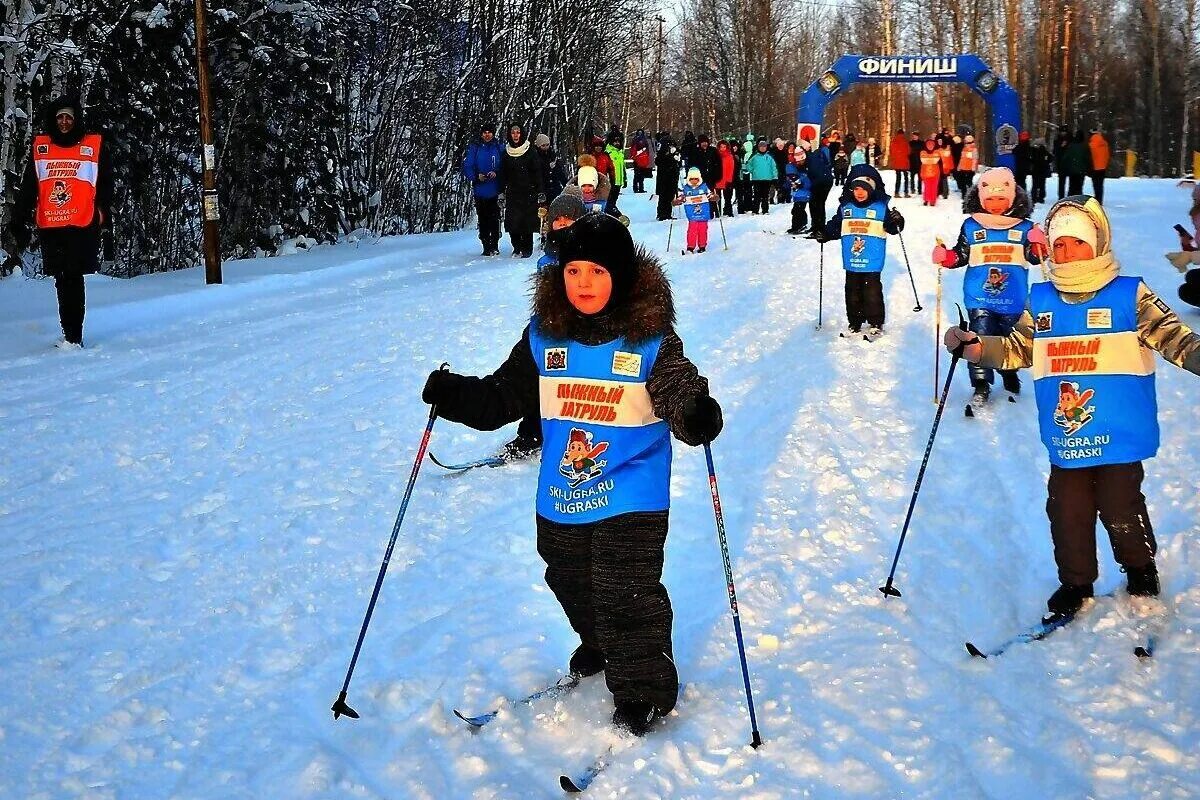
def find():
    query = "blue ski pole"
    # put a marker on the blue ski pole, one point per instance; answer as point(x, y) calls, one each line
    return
point(756, 740)
point(339, 706)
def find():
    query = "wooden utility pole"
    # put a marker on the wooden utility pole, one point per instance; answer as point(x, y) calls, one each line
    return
point(210, 205)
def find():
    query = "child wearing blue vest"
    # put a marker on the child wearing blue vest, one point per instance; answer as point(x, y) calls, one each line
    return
point(996, 244)
point(1089, 334)
point(696, 197)
point(602, 364)
point(801, 188)
point(862, 222)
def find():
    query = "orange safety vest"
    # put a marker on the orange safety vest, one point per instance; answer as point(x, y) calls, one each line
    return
point(947, 160)
point(970, 157)
point(931, 164)
point(66, 181)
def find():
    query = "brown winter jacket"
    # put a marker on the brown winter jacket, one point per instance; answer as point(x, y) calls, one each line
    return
point(1159, 328)
point(511, 392)
point(1098, 146)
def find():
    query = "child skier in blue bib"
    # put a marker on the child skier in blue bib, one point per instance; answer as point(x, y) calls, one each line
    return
point(862, 222)
point(1089, 334)
point(996, 244)
point(602, 364)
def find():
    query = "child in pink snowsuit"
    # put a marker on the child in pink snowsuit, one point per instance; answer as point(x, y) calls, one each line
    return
point(695, 200)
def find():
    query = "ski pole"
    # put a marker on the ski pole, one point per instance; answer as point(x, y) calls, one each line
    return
point(721, 222)
point(821, 286)
point(888, 589)
point(937, 330)
point(670, 229)
point(755, 740)
point(910, 275)
point(339, 706)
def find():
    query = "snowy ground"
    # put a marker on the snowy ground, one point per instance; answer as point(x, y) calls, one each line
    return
point(192, 513)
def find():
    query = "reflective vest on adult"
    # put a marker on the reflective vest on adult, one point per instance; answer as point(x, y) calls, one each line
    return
point(1093, 378)
point(864, 242)
point(604, 452)
point(997, 276)
point(66, 181)
point(969, 158)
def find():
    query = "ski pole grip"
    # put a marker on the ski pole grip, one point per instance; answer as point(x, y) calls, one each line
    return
point(962, 326)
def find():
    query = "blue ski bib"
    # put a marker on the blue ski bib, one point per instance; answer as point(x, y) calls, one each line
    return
point(864, 242)
point(997, 277)
point(604, 452)
point(1093, 378)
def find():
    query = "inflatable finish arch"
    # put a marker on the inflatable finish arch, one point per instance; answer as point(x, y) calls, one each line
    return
point(1001, 98)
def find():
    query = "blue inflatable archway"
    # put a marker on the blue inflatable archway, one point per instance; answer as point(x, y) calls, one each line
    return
point(1002, 99)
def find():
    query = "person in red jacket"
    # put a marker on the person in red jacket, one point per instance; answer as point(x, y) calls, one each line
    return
point(724, 184)
point(898, 153)
point(604, 164)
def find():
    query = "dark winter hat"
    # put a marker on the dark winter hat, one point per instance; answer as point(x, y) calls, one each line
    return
point(489, 127)
point(566, 205)
point(603, 239)
point(865, 182)
point(703, 138)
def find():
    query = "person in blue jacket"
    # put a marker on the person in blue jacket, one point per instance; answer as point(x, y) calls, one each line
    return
point(601, 364)
point(997, 243)
point(1090, 335)
point(801, 189)
point(820, 172)
point(862, 222)
point(763, 175)
point(483, 166)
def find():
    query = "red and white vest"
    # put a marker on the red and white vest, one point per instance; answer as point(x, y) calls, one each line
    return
point(66, 181)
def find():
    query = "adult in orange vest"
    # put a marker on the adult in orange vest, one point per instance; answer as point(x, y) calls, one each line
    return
point(947, 167)
point(1100, 154)
point(67, 191)
point(968, 160)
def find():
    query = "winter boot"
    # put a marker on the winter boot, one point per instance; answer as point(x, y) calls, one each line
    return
point(851, 332)
point(701, 249)
point(586, 661)
point(1067, 600)
point(1012, 383)
point(635, 716)
point(520, 448)
point(873, 333)
point(983, 390)
point(1142, 581)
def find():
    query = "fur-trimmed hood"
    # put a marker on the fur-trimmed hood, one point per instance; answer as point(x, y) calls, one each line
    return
point(648, 311)
point(1022, 208)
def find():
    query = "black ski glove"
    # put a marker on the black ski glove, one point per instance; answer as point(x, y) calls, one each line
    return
point(440, 387)
point(895, 220)
point(702, 417)
point(822, 237)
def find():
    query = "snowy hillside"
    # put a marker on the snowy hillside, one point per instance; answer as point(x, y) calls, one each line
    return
point(193, 510)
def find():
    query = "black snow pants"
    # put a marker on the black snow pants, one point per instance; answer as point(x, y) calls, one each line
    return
point(487, 209)
point(1075, 497)
point(816, 204)
point(864, 299)
point(607, 576)
point(69, 288)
